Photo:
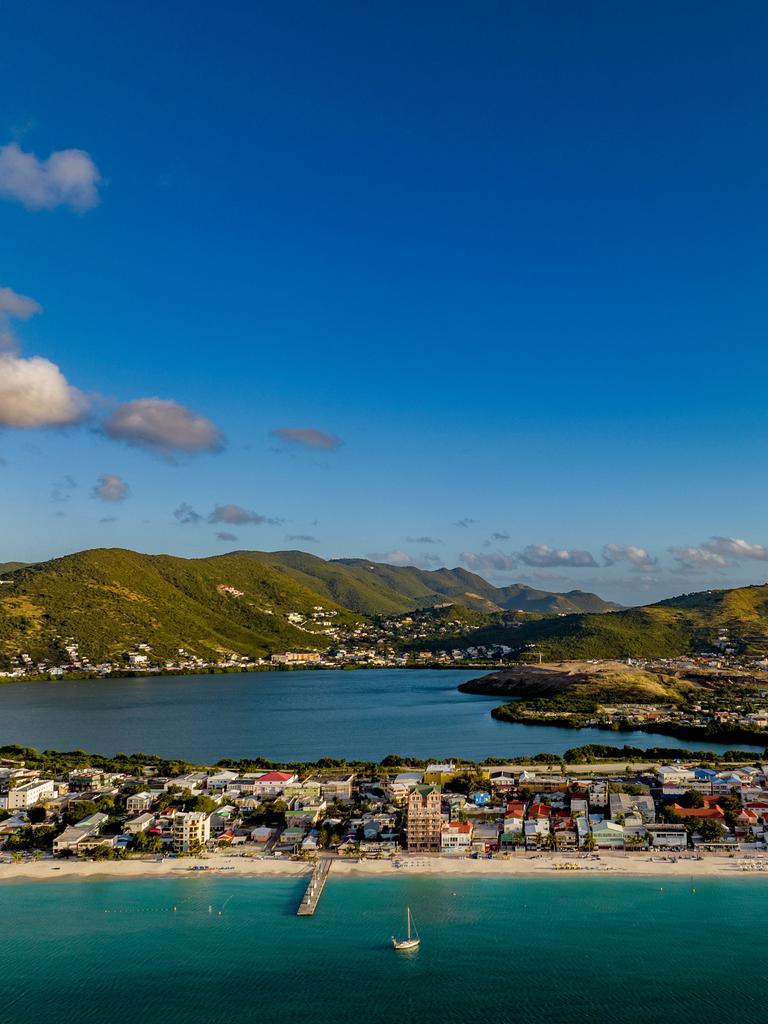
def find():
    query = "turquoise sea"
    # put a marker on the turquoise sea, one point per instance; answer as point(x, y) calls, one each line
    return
point(558, 950)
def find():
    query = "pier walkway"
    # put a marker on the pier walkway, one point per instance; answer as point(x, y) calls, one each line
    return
point(315, 887)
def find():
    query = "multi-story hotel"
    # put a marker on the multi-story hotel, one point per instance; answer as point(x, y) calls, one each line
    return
point(424, 824)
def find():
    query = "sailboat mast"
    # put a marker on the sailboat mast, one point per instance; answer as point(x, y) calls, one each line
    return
point(409, 923)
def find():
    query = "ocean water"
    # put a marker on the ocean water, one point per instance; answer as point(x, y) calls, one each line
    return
point(557, 950)
point(286, 716)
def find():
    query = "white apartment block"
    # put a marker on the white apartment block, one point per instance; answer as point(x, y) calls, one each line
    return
point(29, 794)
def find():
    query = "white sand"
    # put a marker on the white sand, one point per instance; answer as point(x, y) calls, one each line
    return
point(518, 865)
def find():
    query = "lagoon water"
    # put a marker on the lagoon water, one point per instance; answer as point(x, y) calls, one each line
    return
point(285, 716)
point(506, 950)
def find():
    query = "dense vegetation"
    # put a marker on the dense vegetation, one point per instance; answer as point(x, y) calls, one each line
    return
point(56, 762)
point(110, 600)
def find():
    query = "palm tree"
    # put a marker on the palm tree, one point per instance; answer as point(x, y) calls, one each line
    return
point(590, 843)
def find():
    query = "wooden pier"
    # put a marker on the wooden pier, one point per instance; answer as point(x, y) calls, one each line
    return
point(315, 887)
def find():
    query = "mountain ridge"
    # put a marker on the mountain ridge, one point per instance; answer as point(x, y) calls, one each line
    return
point(249, 603)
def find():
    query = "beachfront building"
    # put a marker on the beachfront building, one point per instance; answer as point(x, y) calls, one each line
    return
point(456, 837)
point(425, 822)
point(191, 830)
point(609, 835)
point(72, 839)
point(667, 837)
point(536, 832)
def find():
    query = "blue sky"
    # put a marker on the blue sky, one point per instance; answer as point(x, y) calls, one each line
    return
point(434, 282)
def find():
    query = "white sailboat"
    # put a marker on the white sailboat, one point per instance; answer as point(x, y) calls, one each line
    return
point(411, 941)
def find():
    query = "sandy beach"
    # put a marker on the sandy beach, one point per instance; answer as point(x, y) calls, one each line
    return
point(520, 866)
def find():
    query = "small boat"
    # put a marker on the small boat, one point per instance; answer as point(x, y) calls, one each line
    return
point(411, 941)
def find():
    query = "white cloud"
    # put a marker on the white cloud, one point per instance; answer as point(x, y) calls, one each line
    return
point(733, 547)
point(639, 558)
point(68, 177)
point(698, 559)
point(163, 426)
point(543, 556)
point(35, 393)
point(489, 561)
point(110, 487)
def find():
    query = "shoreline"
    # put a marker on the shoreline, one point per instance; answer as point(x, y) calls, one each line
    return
point(517, 866)
point(170, 673)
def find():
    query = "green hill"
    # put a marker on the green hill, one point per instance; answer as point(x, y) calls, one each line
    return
point(677, 626)
point(111, 599)
point(431, 586)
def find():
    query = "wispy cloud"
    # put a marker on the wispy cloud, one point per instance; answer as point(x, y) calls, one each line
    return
point(500, 537)
point(487, 561)
point(62, 489)
point(186, 515)
point(423, 540)
point(110, 487)
point(307, 437)
point(68, 177)
point(465, 523)
point(163, 426)
point(237, 516)
point(14, 306)
point(224, 535)
point(302, 538)
point(638, 558)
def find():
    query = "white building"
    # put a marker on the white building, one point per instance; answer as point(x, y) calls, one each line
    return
point(138, 803)
point(456, 837)
point(140, 824)
point(29, 793)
